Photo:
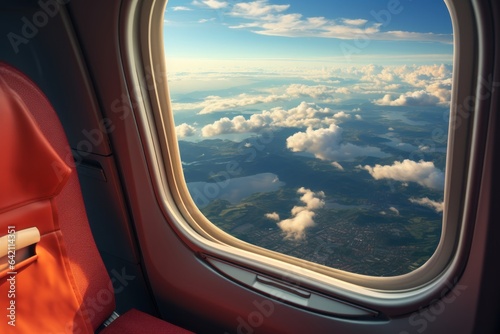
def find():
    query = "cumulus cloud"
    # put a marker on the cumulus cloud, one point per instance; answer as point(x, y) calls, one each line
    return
point(304, 115)
point(422, 172)
point(302, 216)
point(358, 117)
point(273, 216)
point(441, 90)
point(341, 114)
point(377, 74)
point(418, 98)
point(431, 83)
point(266, 19)
point(237, 124)
point(421, 76)
point(326, 144)
point(425, 201)
point(185, 130)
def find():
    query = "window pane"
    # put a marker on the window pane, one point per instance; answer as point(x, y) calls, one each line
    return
point(317, 129)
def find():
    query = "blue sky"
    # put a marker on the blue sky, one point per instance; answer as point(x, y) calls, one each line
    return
point(320, 70)
point(293, 29)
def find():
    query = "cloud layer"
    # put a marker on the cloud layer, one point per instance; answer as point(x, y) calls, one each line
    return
point(266, 19)
point(214, 103)
point(425, 85)
point(304, 115)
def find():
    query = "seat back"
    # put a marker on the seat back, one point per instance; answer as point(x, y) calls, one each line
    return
point(50, 269)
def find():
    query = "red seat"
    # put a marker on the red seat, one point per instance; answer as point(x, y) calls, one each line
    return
point(55, 282)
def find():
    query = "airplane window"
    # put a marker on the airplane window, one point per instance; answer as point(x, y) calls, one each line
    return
point(316, 129)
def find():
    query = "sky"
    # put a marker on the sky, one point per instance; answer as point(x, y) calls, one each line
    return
point(348, 31)
point(320, 70)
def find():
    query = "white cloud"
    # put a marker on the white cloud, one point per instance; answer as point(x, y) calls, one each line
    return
point(304, 115)
point(441, 90)
point(392, 87)
point(180, 8)
point(418, 98)
point(425, 201)
point(358, 117)
point(431, 86)
point(311, 199)
point(393, 209)
point(398, 35)
point(337, 165)
point(329, 74)
point(185, 130)
point(266, 19)
point(302, 216)
point(294, 228)
point(355, 22)
point(343, 90)
point(422, 172)
point(326, 144)
point(214, 103)
point(432, 83)
point(341, 114)
point(317, 92)
point(422, 76)
point(273, 216)
point(257, 9)
point(206, 20)
point(214, 4)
